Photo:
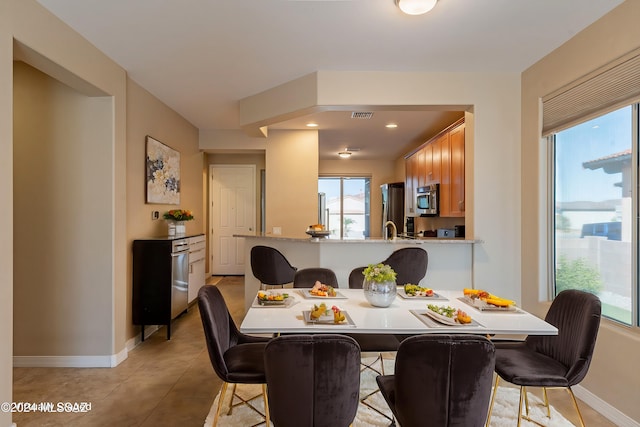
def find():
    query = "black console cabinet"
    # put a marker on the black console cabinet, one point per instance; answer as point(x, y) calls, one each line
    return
point(160, 281)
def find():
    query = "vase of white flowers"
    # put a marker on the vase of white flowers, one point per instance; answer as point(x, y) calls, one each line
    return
point(379, 285)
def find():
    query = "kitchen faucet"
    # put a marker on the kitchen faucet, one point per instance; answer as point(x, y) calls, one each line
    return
point(394, 230)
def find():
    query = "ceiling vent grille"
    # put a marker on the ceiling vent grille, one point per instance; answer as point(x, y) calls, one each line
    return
point(366, 115)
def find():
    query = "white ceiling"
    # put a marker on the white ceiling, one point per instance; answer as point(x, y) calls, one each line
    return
point(201, 57)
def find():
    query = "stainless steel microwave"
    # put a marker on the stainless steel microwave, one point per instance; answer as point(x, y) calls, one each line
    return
point(427, 200)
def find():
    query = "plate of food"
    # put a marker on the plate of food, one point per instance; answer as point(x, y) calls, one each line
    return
point(321, 290)
point(321, 315)
point(445, 315)
point(317, 230)
point(484, 301)
point(273, 299)
point(411, 291)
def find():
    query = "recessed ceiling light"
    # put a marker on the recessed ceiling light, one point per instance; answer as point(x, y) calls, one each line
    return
point(391, 125)
point(344, 154)
point(312, 125)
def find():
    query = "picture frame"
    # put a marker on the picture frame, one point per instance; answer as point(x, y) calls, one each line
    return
point(162, 173)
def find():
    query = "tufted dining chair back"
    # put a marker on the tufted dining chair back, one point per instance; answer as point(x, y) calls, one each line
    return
point(271, 267)
point(313, 380)
point(440, 380)
point(307, 277)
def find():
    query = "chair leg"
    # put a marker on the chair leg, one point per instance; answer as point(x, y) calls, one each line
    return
point(363, 401)
point(575, 403)
point(526, 400)
point(546, 401)
point(233, 394)
point(266, 405)
point(520, 405)
point(493, 398)
point(223, 392)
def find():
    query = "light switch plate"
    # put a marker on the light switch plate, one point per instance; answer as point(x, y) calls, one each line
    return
point(155, 215)
point(277, 230)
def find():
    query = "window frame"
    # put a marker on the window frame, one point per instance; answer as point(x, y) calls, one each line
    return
point(550, 140)
point(367, 213)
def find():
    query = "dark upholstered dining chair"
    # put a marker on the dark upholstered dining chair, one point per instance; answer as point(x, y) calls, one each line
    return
point(306, 277)
point(553, 361)
point(440, 380)
point(313, 380)
point(270, 267)
point(410, 264)
point(236, 358)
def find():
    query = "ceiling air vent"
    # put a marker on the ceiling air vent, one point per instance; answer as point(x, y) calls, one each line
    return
point(361, 115)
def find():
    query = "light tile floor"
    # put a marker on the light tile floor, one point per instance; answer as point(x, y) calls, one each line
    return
point(161, 383)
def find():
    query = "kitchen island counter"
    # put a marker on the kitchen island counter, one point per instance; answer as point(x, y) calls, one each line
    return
point(450, 260)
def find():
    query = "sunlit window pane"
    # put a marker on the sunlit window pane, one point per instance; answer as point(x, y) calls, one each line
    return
point(347, 206)
point(593, 211)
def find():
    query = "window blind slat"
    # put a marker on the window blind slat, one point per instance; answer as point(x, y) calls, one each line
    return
point(613, 86)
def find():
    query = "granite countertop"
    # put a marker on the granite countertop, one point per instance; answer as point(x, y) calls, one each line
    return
point(416, 241)
point(170, 238)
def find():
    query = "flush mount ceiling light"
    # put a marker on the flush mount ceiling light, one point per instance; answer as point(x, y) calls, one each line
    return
point(312, 125)
point(391, 125)
point(344, 154)
point(416, 7)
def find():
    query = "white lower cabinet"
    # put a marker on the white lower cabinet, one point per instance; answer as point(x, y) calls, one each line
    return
point(197, 254)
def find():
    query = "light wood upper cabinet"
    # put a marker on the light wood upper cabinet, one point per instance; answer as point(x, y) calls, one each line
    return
point(456, 138)
point(439, 160)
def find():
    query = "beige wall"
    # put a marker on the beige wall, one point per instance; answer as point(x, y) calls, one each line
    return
point(6, 200)
point(70, 57)
point(291, 181)
point(146, 115)
point(61, 242)
point(380, 172)
point(613, 376)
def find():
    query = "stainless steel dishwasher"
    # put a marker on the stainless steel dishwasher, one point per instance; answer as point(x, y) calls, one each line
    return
point(179, 276)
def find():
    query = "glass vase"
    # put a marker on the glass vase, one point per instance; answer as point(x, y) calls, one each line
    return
point(379, 294)
point(181, 227)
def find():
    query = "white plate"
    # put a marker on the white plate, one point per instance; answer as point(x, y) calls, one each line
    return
point(435, 296)
point(307, 294)
point(287, 302)
point(442, 318)
point(433, 319)
point(327, 319)
point(478, 304)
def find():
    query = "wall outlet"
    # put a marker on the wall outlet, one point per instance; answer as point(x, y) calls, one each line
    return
point(277, 230)
point(155, 215)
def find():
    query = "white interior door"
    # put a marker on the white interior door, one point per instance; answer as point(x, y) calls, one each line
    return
point(233, 211)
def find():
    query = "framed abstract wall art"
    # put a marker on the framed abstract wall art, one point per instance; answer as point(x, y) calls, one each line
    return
point(163, 173)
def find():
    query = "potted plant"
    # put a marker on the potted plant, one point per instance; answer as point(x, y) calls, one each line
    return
point(379, 284)
point(177, 218)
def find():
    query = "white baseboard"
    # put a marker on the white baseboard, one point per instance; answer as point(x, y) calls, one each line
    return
point(108, 361)
point(62, 361)
point(604, 408)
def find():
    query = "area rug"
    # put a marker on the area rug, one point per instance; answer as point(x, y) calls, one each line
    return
point(504, 410)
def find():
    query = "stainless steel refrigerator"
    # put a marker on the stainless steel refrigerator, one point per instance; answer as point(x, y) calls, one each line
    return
point(393, 205)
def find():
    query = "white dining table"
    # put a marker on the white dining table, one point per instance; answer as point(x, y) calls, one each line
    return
point(403, 316)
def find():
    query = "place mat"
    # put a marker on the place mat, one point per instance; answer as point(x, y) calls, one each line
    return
point(305, 293)
point(327, 319)
point(482, 306)
point(435, 296)
point(429, 318)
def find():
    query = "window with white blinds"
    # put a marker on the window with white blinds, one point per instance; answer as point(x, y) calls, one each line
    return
point(604, 90)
